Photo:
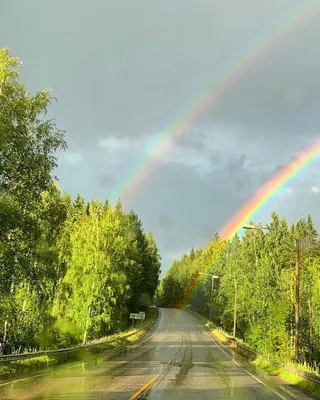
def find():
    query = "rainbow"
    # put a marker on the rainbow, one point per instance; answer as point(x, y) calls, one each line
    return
point(270, 189)
point(266, 192)
point(151, 157)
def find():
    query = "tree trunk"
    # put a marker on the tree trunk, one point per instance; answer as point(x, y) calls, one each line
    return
point(25, 298)
point(235, 309)
point(88, 317)
point(5, 331)
point(310, 331)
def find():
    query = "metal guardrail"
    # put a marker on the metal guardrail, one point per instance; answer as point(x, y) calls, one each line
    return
point(303, 374)
point(24, 356)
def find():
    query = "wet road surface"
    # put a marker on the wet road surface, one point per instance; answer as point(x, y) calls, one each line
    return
point(183, 359)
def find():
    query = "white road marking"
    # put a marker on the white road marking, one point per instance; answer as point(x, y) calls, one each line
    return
point(264, 384)
point(19, 380)
point(235, 362)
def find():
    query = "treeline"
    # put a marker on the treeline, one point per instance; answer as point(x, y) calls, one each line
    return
point(257, 279)
point(70, 271)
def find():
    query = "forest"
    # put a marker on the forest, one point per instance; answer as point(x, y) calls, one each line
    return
point(254, 294)
point(71, 270)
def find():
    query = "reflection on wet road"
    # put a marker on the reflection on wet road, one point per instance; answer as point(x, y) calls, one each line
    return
point(188, 360)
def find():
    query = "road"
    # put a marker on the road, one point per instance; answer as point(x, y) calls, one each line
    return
point(182, 359)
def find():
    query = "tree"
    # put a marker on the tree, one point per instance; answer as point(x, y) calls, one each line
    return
point(27, 146)
point(256, 287)
point(70, 270)
point(27, 142)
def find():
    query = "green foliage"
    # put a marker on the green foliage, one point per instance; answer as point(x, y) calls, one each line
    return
point(262, 265)
point(119, 340)
point(70, 270)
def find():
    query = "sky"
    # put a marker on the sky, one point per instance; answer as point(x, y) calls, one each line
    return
point(124, 71)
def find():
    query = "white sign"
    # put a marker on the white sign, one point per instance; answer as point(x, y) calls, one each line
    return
point(135, 316)
point(143, 315)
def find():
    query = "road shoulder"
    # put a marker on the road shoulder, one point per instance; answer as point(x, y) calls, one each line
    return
point(104, 348)
point(229, 346)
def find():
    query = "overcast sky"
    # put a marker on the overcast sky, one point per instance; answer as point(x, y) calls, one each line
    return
point(123, 72)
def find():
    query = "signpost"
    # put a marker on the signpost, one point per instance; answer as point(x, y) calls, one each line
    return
point(141, 315)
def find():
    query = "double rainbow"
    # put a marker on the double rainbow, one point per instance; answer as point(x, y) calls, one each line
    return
point(151, 157)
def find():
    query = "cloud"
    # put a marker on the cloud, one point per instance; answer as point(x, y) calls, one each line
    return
point(215, 159)
point(73, 158)
point(105, 181)
point(194, 140)
point(140, 82)
point(315, 189)
point(117, 79)
point(205, 232)
point(288, 190)
point(116, 143)
point(285, 192)
point(206, 201)
point(165, 222)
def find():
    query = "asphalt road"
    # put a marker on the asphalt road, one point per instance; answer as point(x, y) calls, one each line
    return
point(182, 359)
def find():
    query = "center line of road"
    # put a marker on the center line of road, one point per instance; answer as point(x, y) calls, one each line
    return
point(143, 388)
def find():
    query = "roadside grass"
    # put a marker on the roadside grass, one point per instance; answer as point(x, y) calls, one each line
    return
point(271, 368)
point(220, 336)
point(224, 337)
point(17, 367)
point(305, 368)
point(309, 387)
point(106, 345)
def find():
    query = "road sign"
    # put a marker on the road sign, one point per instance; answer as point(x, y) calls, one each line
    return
point(143, 315)
point(136, 316)
point(140, 315)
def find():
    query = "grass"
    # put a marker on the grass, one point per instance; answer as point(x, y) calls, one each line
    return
point(272, 369)
point(24, 366)
point(224, 337)
point(220, 336)
point(298, 381)
point(118, 340)
point(305, 368)
point(267, 366)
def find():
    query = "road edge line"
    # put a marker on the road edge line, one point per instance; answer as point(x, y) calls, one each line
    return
point(216, 341)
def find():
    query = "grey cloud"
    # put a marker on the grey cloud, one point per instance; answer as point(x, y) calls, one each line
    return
point(200, 205)
point(165, 222)
point(195, 140)
point(105, 181)
point(215, 159)
point(205, 232)
point(116, 78)
point(125, 70)
point(235, 164)
point(196, 202)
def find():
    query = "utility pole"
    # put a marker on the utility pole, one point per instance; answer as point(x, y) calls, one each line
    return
point(235, 308)
point(212, 279)
point(297, 299)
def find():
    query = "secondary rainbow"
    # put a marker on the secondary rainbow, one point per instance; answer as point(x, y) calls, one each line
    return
point(152, 155)
point(270, 189)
